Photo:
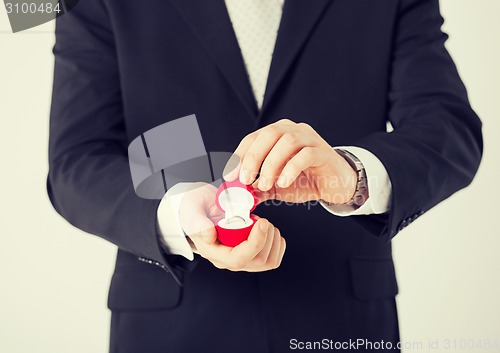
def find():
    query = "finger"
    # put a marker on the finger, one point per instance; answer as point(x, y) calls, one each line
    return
point(241, 151)
point(245, 252)
point(282, 250)
point(287, 146)
point(304, 159)
point(285, 122)
point(232, 168)
point(248, 140)
point(274, 255)
point(238, 257)
point(289, 194)
point(245, 144)
point(257, 152)
point(261, 258)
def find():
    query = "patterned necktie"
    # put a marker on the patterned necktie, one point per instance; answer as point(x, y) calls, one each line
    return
point(255, 23)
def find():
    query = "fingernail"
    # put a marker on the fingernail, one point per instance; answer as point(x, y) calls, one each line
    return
point(262, 184)
point(244, 176)
point(264, 225)
point(281, 181)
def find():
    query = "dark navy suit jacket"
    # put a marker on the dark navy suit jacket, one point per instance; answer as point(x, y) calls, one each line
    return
point(345, 67)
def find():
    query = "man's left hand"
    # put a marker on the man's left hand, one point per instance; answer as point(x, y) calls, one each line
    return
point(291, 162)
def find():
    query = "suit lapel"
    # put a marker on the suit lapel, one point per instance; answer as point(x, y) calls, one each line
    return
point(298, 20)
point(210, 23)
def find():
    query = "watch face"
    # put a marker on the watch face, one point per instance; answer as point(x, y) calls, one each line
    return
point(361, 194)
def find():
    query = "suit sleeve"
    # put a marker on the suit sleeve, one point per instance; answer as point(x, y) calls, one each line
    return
point(89, 181)
point(436, 146)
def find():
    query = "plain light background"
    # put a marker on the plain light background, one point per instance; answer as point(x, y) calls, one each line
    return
point(54, 278)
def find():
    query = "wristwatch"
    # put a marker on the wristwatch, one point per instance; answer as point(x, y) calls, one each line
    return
point(361, 194)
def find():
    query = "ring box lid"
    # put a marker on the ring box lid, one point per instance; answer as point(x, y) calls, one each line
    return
point(236, 199)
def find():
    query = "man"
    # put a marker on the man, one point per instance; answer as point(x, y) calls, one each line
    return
point(340, 70)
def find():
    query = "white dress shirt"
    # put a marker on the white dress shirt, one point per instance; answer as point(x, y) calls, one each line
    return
point(255, 23)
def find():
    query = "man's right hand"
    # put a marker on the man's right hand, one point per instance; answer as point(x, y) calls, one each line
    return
point(198, 213)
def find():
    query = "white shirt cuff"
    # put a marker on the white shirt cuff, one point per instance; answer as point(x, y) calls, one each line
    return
point(169, 226)
point(379, 186)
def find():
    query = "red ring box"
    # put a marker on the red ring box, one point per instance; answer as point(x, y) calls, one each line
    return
point(237, 201)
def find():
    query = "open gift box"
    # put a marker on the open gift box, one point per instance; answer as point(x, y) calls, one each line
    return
point(237, 201)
